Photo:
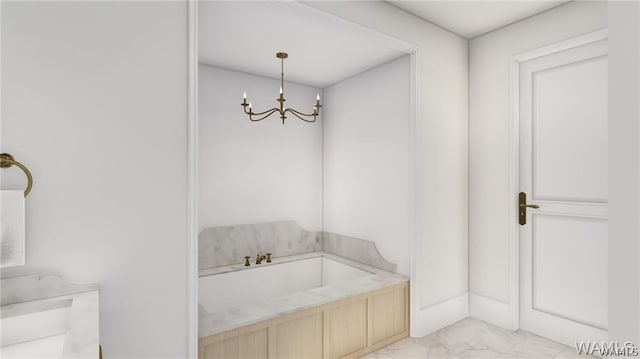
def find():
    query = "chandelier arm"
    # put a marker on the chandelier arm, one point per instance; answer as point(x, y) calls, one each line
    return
point(261, 113)
point(268, 113)
point(289, 109)
point(300, 114)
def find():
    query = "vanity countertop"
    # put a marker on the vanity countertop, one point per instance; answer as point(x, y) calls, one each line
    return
point(35, 294)
point(211, 323)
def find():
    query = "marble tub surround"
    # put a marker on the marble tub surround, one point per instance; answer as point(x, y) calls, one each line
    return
point(222, 246)
point(27, 302)
point(356, 249)
point(473, 338)
point(211, 323)
point(297, 257)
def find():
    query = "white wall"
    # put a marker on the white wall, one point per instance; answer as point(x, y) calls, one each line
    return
point(94, 103)
point(624, 173)
point(439, 272)
point(253, 172)
point(366, 158)
point(489, 218)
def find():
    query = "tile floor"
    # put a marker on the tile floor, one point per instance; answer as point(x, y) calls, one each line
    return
point(473, 338)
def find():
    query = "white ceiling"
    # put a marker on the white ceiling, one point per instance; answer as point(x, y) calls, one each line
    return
point(474, 17)
point(245, 36)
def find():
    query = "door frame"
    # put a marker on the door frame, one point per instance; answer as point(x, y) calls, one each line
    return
point(192, 161)
point(192, 180)
point(514, 156)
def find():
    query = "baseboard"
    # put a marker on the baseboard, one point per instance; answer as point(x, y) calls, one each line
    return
point(491, 311)
point(437, 316)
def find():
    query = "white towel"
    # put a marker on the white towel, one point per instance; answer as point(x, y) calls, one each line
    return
point(12, 228)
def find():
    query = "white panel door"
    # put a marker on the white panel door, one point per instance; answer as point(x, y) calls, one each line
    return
point(563, 170)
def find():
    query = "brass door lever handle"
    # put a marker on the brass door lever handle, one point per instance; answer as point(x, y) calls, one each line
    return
point(530, 205)
point(522, 213)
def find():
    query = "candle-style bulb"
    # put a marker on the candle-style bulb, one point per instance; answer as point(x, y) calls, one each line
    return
point(318, 97)
point(249, 104)
point(244, 95)
point(281, 90)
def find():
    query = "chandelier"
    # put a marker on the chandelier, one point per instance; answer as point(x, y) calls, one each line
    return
point(259, 116)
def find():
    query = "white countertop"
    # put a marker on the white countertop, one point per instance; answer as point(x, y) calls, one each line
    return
point(211, 323)
point(33, 294)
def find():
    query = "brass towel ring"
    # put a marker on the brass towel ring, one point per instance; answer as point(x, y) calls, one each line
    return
point(6, 161)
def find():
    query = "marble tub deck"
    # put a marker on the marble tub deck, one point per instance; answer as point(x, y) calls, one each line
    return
point(473, 338)
point(243, 315)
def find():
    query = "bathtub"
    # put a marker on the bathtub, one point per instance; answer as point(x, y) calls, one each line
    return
point(268, 281)
point(235, 296)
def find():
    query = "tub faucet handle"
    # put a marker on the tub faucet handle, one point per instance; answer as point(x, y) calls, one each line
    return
point(246, 261)
point(268, 257)
point(259, 258)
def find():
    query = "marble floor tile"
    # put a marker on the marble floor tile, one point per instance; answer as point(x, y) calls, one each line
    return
point(479, 336)
point(471, 351)
point(571, 353)
point(473, 338)
point(435, 349)
point(461, 333)
point(535, 347)
point(409, 349)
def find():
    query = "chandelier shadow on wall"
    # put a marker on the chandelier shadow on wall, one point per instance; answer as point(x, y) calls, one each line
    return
point(259, 116)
